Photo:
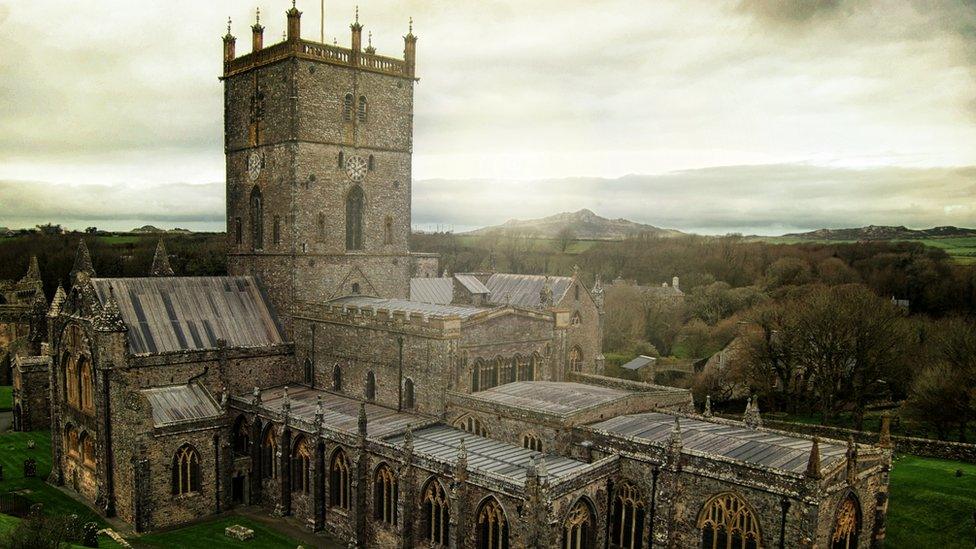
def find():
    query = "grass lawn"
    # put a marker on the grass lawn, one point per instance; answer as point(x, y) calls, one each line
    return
point(13, 452)
point(930, 506)
point(211, 535)
point(6, 398)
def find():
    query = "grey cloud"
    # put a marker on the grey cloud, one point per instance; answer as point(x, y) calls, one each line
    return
point(789, 11)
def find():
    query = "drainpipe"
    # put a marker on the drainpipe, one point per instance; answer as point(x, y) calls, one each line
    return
point(785, 505)
point(654, 473)
point(109, 470)
point(400, 375)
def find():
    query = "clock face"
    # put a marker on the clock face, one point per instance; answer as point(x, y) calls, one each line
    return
point(254, 166)
point(356, 168)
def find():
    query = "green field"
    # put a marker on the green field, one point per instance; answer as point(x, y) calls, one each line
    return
point(961, 249)
point(930, 506)
point(6, 398)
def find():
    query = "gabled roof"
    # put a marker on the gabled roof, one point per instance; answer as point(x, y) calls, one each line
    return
point(551, 397)
point(524, 290)
point(180, 404)
point(471, 283)
point(338, 412)
point(638, 363)
point(432, 290)
point(192, 313)
point(441, 442)
point(767, 449)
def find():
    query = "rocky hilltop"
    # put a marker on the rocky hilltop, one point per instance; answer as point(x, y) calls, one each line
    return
point(583, 224)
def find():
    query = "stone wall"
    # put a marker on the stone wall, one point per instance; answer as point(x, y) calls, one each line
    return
point(586, 335)
point(32, 393)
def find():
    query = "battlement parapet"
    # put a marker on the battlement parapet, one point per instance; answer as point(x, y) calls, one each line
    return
point(425, 325)
point(314, 51)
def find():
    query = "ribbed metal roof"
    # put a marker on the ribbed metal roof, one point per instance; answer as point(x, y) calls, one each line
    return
point(638, 363)
point(339, 412)
point(484, 454)
point(180, 403)
point(165, 314)
point(524, 290)
point(553, 397)
point(403, 305)
point(772, 450)
point(432, 290)
point(471, 283)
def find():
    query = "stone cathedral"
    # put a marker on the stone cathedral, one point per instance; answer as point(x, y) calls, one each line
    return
point(340, 382)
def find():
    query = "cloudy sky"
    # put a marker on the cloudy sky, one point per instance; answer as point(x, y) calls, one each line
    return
point(742, 115)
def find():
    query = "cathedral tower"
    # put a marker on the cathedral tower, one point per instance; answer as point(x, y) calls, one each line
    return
point(318, 141)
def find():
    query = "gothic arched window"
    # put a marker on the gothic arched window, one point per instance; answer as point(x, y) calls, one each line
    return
point(371, 163)
point(342, 160)
point(87, 446)
point(242, 436)
point(436, 516)
point(577, 319)
point(579, 527)
point(337, 377)
point(257, 219)
point(86, 385)
point(71, 381)
point(339, 481)
point(532, 442)
point(472, 425)
point(301, 467)
point(269, 457)
point(726, 522)
point(320, 226)
point(489, 374)
point(846, 525)
point(506, 370)
point(363, 111)
point(309, 371)
point(576, 359)
point(354, 218)
point(370, 386)
point(627, 519)
point(492, 526)
point(71, 440)
point(186, 471)
point(347, 107)
point(522, 365)
point(408, 396)
point(385, 493)
point(476, 375)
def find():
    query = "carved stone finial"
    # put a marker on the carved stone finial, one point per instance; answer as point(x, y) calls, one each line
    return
point(369, 48)
point(256, 393)
point(33, 271)
point(813, 462)
point(160, 263)
point(751, 416)
point(884, 438)
point(109, 319)
point(285, 402)
point(545, 294)
point(362, 419)
point(83, 262)
point(674, 438)
point(408, 439)
point(708, 406)
point(462, 457)
point(57, 302)
point(357, 13)
point(228, 26)
point(542, 470)
point(257, 18)
point(576, 270)
point(851, 455)
point(411, 27)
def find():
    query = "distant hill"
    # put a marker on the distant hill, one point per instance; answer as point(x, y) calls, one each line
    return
point(875, 232)
point(149, 229)
point(584, 224)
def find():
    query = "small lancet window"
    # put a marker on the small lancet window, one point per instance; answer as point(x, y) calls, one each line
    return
point(347, 108)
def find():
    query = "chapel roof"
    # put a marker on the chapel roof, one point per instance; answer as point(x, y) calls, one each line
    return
point(524, 290)
point(441, 443)
point(338, 412)
point(180, 404)
point(439, 290)
point(168, 314)
point(551, 397)
point(768, 449)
